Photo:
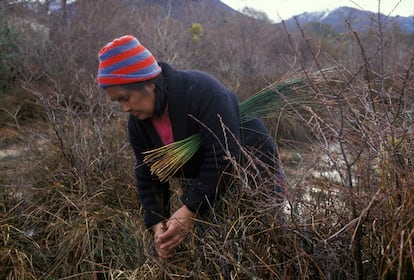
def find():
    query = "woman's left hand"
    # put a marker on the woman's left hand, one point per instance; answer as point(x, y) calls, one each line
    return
point(178, 227)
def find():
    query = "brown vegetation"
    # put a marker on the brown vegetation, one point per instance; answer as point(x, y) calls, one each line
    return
point(68, 208)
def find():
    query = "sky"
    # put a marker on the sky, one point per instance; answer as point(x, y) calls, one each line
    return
point(284, 9)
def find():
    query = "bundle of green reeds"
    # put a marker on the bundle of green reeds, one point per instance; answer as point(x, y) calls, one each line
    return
point(165, 161)
point(268, 102)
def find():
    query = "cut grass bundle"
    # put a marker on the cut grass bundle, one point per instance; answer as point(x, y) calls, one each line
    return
point(165, 161)
point(269, 102)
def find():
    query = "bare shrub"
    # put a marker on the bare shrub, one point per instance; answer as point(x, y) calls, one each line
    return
point(356, 193)
point(78, 205)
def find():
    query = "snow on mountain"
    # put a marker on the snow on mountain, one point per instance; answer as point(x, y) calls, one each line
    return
point(358, 20)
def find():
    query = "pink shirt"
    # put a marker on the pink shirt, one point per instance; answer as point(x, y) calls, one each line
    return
point(162, 125)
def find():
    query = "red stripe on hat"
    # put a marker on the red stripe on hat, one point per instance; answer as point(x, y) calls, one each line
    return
point(122, 56)
point(136, 67)
point(107, 81)
point(117, 42)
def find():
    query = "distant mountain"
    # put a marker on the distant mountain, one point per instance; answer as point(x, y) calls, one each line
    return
point(359, 20)
point(202, 10)
point(214, 10)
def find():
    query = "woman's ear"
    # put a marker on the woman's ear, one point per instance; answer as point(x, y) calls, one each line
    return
point(150, 87)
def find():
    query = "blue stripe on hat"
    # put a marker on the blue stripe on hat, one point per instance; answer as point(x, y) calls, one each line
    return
point(142, 73)
point(126, 62)
point(119, 49)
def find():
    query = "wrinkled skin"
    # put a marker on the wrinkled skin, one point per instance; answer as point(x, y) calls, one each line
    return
point(170, 234)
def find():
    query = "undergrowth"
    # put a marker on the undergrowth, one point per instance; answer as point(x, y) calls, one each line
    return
point(70, 209)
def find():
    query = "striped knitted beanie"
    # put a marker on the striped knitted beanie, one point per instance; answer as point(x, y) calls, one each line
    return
point(124, 61)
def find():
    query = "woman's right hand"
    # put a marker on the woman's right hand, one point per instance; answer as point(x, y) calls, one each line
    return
point(158, 229)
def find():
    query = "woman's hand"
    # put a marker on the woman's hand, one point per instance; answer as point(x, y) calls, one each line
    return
point(169, 236)
point(159, 229)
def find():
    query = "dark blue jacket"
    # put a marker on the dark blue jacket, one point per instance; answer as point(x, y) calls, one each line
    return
point(197, 104)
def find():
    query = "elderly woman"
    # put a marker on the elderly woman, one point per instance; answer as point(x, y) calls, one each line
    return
point(167, 105)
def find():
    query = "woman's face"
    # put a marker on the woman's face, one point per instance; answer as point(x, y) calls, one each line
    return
point(139, 103)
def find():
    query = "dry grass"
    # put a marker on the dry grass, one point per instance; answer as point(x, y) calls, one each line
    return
point(69, 210)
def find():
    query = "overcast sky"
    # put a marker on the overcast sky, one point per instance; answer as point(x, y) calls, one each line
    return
point(283, 9)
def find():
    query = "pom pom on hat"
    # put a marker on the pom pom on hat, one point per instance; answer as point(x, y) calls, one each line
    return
point(125, 60)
